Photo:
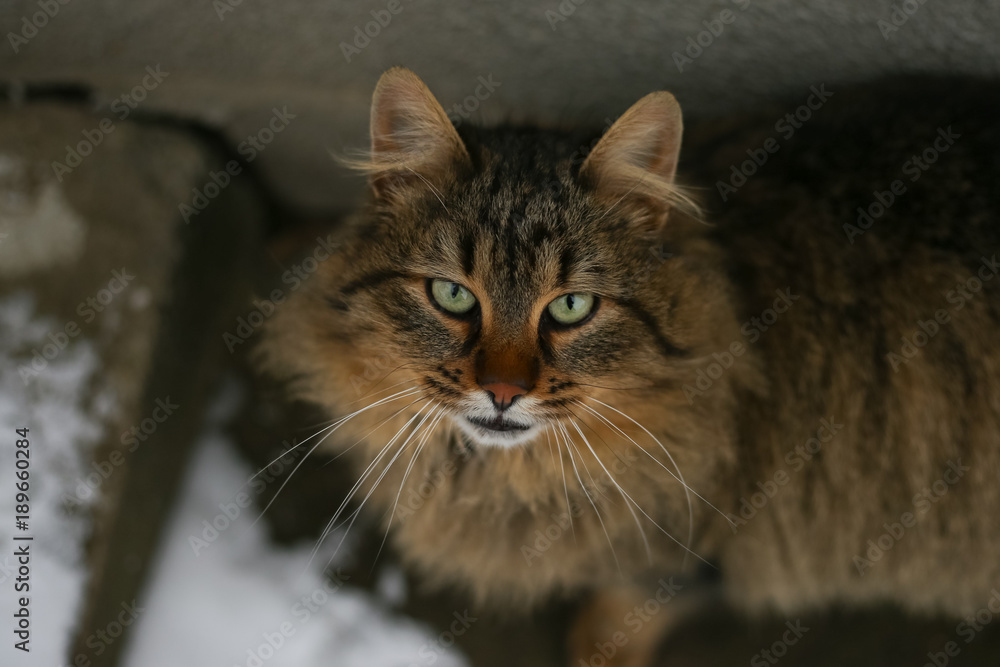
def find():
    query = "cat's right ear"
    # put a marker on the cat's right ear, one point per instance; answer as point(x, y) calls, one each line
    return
point(632, 167)
point(414, 144)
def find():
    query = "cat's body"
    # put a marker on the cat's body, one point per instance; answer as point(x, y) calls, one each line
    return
point(907, 419)
point(519, 217)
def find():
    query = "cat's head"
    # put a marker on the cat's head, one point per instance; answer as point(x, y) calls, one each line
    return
point(508, 275)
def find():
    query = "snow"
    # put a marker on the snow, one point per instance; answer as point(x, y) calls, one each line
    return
point(241, 601)
point(244, 602)
point(39, 229)
point(63, 411)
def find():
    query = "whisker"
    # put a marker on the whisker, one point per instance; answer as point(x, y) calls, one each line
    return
point(388, 466)
point(597, 487)
point(416, 452)
point(679, 477)
point(658, 462)
point(687, 547)
point(382, 379)
point(319, 442)
point(625, 496)
point(599, 386)
point(614, 555)
point(373, 429)
point(361, 480)
point(562, 469)
point(552, 454)
point(429, 185)
point(334, 425)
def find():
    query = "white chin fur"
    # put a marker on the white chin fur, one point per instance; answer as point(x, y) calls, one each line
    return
point(489, 438)
point(479, 406)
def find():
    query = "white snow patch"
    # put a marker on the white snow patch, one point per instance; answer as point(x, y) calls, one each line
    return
point(63, 413)
point(244, 602)
point(38, 226)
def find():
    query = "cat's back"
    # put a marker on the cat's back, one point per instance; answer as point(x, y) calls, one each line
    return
point(873, 170)
point(874, 211)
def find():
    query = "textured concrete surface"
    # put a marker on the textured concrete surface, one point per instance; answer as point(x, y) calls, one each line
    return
point(103, 247)
point(232, 62)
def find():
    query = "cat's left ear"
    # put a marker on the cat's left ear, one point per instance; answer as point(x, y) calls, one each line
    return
point(634, 163)
point(414, 143)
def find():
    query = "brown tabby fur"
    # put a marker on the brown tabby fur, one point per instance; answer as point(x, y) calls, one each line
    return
point(519, 217)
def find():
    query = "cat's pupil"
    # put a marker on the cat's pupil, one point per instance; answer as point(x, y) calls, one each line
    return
point(569, 302)
point(454, 290)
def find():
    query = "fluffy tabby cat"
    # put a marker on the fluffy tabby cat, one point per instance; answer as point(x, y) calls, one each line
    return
point(774, 390)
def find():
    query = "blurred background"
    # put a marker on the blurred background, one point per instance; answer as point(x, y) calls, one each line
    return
point(164, 165)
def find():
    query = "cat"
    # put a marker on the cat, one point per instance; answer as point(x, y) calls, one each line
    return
point(594, 376)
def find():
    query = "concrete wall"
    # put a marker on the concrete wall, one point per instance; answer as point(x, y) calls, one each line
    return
point(231, 62)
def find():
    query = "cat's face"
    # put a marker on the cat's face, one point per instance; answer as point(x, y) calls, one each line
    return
point(509, 277)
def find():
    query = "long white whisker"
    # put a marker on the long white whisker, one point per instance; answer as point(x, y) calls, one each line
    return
point(592, 504)
point(336, 423)
point(626, 497)
point(373, 429)
point(388, 466)
point(679, 477)
point(432, 188)
point(552, 454)
point(361, 480)
point(687, 496)
point(333, 427)
point(687, 548)
point(562, 469)
point(416, 452)
point(373, 392)
point(597, 487)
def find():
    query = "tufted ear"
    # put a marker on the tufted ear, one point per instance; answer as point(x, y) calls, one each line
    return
point(413, 141)
point(634, 163)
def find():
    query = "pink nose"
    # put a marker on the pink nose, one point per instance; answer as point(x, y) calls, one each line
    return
point(503, 394)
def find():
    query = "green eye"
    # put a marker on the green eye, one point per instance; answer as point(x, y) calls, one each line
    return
point(571, 308)
point(452, 297)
